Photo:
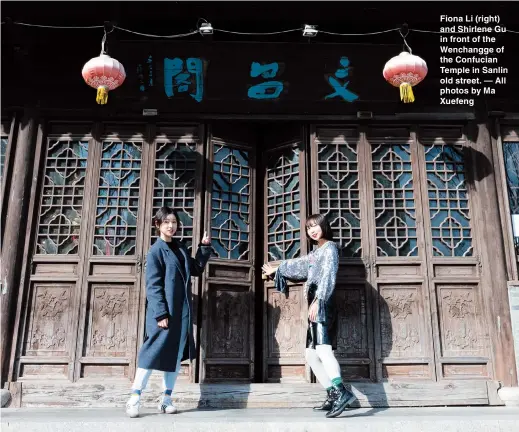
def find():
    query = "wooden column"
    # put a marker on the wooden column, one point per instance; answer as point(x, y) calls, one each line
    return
point(493, 257)
point(15, 230)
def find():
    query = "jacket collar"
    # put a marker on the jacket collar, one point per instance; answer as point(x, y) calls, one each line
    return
point(165, 247)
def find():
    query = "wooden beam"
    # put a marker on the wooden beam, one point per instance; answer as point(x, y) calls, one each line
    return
point(15, 234)
point(494, 284)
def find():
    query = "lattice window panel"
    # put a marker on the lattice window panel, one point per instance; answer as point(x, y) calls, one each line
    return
point(339, 195)
point(511, 153)
point(448, 200)
point(283, 205)
point(395, 209)
point(230, 202)
point(62, 201)
point(115, 230)
point(175, 180)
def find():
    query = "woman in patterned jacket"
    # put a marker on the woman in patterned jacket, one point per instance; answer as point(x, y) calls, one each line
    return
point(319, 270)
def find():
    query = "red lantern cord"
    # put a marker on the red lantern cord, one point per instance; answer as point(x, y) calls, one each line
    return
point(103, 73)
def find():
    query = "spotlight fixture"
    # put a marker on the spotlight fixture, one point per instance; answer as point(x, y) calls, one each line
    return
point(310, 31)
point(206, 29)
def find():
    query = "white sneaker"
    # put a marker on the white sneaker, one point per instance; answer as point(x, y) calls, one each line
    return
point(132, 407)
point(166, 406)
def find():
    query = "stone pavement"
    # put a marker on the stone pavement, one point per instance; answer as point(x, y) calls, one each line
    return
point(444, 419)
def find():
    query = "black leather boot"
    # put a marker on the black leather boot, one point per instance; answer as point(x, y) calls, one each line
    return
point(327, 404)
point(343, 398)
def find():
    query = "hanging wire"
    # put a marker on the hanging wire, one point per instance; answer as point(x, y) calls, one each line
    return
point(230, 32)
point(55, 27)
point(357, 34)
point(158, 36)
point(426, 31)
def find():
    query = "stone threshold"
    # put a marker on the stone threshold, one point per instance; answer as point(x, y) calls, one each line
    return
point(90, 394)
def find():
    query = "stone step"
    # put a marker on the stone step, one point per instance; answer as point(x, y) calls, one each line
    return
point(391, 394)
point(452, 419)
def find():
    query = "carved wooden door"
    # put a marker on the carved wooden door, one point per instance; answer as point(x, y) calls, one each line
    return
point(452, 204)
point(81, 304)
point(255, 198)
point(284, 211)
point(227, 342)
point(408, 286)
point(112, 265)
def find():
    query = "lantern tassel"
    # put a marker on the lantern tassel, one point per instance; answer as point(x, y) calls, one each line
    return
point(406, 93)
point(102, 95)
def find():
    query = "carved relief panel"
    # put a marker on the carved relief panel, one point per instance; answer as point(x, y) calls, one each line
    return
point(285, 335)
point(402, 322)
point(460, 321)
point(230, 315)
point(109, 332)
point(49, 322)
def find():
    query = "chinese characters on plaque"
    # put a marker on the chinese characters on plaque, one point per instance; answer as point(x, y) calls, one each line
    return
point(187, 76)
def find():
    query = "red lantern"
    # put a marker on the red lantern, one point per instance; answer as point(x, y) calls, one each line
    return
point(104, 74)
point(405, 71)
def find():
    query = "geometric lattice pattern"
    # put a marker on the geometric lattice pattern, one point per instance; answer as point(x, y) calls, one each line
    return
point(174, 182)
point(283, 205)
point(230, 203)
point(511, 153)
point(62, 201)
point(115, 230)
point(395, 210)
point(448, 200)
point(339, 195)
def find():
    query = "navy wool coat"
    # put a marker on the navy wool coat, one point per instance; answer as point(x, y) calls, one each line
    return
point(166, 289)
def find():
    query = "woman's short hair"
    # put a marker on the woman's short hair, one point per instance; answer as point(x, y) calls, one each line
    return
point(323, 222)
point(161, 215)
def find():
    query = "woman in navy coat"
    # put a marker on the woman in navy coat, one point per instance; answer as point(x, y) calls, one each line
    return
point(169, 315)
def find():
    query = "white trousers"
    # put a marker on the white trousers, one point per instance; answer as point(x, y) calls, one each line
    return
point(324, 364)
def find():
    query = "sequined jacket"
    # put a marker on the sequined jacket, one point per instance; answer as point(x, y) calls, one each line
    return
point(318, 269)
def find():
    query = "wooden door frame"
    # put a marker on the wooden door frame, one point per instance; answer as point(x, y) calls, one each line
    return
point(302, 142)
point(11, 132)
point(502, 134)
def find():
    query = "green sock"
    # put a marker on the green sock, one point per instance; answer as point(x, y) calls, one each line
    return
point(337, 381)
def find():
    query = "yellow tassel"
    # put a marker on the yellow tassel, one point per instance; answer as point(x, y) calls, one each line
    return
point(406, 93)
point(102, 95)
